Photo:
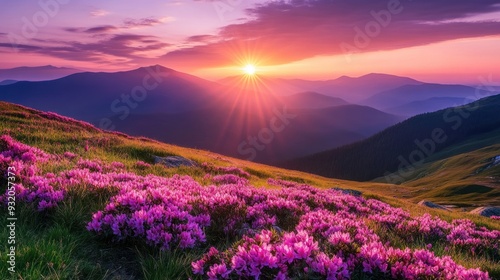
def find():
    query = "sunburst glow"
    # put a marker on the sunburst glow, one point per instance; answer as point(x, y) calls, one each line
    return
point(249, 69)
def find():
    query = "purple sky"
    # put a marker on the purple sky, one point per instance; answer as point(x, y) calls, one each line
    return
point(215, 38)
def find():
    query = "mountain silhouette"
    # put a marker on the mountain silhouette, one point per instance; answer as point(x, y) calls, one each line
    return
point(182, 109)
point(40, 73)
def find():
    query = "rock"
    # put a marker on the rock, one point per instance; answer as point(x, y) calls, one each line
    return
point(494, 161)
point(432, 205)
point(348, 191)
point(175, 161)
point(487, 211)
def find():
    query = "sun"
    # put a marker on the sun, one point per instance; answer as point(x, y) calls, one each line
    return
point(249, 69)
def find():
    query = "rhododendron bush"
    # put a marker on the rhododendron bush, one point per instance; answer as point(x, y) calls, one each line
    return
point(294, 231)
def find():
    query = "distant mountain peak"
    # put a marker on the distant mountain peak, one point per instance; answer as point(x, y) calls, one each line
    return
point(384, 75)
point(376, 74)
point(46, 67)
point(36, 73)
point(344, 77)
point(156, 66)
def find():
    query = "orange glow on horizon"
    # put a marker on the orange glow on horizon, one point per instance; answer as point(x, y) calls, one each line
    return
point(456, 61)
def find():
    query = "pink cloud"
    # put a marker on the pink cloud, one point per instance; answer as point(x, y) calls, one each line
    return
point(287, 31)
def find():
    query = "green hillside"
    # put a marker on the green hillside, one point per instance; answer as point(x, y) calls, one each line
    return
point(55, 244)
point(406, 146)
point(467, 179)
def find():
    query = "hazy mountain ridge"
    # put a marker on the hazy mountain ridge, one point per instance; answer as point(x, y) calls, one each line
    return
point(389, 93)
point(411, 93)
point(40, 73)
point(186, 110)
point(7, 82)
point(92, 96)
point(393, 148)
point(311, 100)
point(307, 132)
point(432, 104)
point(356, 89)
point(351, 89)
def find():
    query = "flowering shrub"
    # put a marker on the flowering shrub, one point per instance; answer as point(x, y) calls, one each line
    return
point(152, 214)
point(227, 179)
point(69, 155)
point(117, 166)
point(268, 255)
point(225, 170)
point(13, 150)
point(294, 231)
point(42, 194)
point(298, 255)
point(94, 166)
point(142, 164)
point(57, 117)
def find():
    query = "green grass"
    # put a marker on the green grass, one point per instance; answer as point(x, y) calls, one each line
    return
point(472, 144)
point(49, 248)
point(459, 180)
point(166, 265)
point(56, 245)
point(457, 175)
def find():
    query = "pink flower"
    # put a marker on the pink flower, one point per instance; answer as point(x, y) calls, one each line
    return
point(294, 229)
point(142, 164)
point(69, 155)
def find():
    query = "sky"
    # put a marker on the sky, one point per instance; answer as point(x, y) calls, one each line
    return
point(448, 41)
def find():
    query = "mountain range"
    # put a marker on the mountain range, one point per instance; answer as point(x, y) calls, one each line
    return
point(395, 153)
point(269, 120)
point(40, 73)
point(423, 98)
point(182, 109)
point(392, 94)
point(350, 89)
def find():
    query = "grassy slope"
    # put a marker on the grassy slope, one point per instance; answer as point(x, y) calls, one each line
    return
point(56, 137)
point(451, 176)
point(381, 153)
point(59, 247)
